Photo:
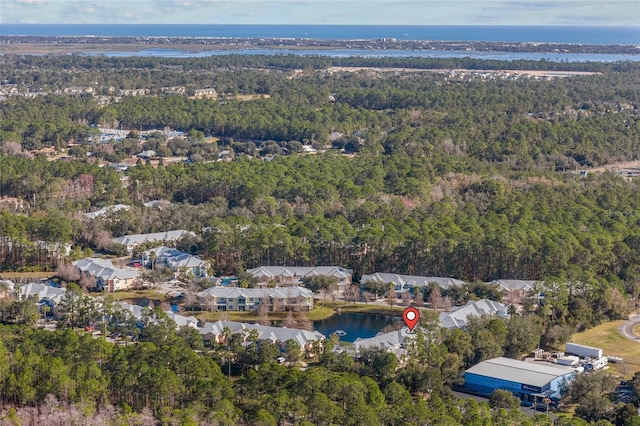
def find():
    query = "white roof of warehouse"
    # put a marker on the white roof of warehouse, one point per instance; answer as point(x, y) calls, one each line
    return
point(512, 370)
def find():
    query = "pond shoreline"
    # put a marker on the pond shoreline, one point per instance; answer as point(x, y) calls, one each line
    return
point(320, 312)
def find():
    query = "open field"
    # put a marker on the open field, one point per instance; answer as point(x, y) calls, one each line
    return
point(363, 308)
point(140, 294)
point(317, 313)
point(25, 275)
point(606, 336)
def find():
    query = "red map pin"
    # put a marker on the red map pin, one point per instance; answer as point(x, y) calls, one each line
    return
point(411, 316)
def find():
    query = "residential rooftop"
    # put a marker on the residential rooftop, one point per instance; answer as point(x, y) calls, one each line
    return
point(405, 282)
point(479, 308)
point(136, 239)
point(235, 292)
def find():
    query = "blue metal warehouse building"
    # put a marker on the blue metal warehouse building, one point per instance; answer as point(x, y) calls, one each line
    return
point(532, 382)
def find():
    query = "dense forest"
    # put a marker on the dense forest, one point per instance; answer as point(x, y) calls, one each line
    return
point(462, 179)
point(476, 180)
point(171, 378)
point(449, 178)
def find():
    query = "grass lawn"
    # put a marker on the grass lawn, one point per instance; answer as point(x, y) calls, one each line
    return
point(636, 330)
point(28, 275)
point(606, 336)
point(138, 294)
point(364, 308)
point(318, 313)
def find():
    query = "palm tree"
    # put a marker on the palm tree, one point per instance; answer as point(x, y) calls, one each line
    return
point(45, 310)
point(226, 334)
point(152, 259)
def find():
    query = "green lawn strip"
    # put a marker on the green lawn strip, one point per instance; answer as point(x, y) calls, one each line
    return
point(139, 294)
point(25, 275)
point(318, 313)
point(364, 308)
point(606, 336)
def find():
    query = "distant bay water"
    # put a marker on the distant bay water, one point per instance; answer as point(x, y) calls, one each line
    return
point(377, 53)
point(534, 34)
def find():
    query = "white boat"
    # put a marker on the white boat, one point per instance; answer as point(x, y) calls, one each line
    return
point(340, 333)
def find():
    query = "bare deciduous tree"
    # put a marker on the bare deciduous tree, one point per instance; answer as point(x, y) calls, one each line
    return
point(418, 296)
point(447, 303)
point(67, 271)
point(351, 293)
point(368, 297)
point(191, 295)
point(210, 303)
point(88, 282)
point(11, 148)
point(277, 304)
point(435, 298)
point(406, 298)
point(304, 323)
point(289, 321)
point(392, 297)
point(263, 314)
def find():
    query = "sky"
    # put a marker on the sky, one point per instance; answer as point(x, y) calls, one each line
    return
point(350, 12)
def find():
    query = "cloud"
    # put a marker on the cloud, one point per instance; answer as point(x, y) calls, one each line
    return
point(396, 12)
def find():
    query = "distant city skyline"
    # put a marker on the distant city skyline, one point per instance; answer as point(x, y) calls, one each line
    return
point(344, 12)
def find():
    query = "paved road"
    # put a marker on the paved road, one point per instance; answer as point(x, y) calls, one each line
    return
point(626, 329)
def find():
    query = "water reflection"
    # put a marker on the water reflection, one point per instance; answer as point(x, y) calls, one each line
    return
point(354, 324)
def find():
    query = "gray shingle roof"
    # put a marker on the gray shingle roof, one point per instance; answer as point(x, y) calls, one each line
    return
point(275, 293)
point(300, 271)
point(459, 317)
point(509, 285)
point(391, 342)
point(173, 258)
point(135, 310)
point(180, 320)
point(404, 282)
point(42, 291)
point(107, 209)
point(104, 269)
point(273, 334)
point(132, 240)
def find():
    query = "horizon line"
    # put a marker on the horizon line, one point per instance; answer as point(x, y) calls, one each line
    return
point(332, 25)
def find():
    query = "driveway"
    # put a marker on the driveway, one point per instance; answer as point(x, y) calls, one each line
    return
point(626, 329)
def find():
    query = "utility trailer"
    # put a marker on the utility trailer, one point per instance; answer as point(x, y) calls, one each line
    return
point(583, 351)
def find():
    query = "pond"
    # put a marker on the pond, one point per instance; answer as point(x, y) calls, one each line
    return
point(354, 324)
point(151, 303)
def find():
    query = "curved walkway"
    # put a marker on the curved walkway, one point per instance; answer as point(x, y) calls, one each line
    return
point(626, 329)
